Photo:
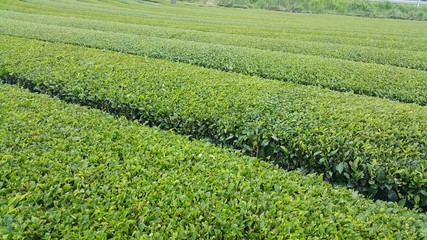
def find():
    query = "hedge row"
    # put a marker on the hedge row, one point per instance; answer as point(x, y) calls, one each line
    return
point(73, 173)
point(303, 27)
point(373, 145)
point(395, 57)
point(395, 83)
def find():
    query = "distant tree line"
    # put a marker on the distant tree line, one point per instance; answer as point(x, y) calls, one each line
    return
point(364, 8)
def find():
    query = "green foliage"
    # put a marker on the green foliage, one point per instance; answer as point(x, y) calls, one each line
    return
point(68, 172)
point(176, 20)
point(373, 145)
point(406, 85)
point(409, 55)
point(364, 8)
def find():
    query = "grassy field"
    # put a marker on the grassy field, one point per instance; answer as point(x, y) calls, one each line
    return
point(342, 99)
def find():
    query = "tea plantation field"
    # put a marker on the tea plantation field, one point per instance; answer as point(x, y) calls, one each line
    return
point(133, 119)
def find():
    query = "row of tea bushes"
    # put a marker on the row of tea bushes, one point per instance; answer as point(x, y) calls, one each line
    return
point(389, 34)
point(406, 85)
point(68, 172)
point(374, 145)
point(395, 57)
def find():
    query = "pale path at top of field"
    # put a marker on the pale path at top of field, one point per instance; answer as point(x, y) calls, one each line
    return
point(408, 59)
point(293, 26)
